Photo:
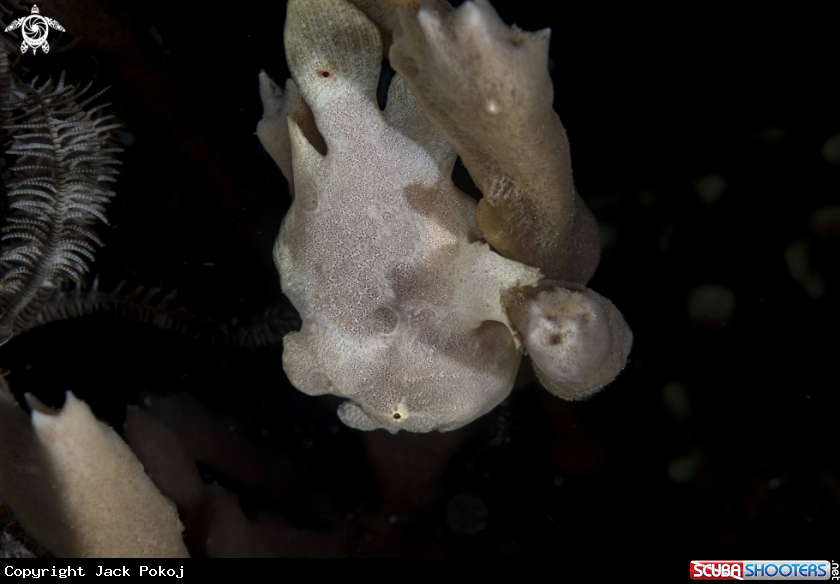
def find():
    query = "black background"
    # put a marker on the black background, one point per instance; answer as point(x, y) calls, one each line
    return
point(652, 102)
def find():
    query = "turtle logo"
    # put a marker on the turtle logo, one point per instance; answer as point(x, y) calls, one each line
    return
point(34, 28)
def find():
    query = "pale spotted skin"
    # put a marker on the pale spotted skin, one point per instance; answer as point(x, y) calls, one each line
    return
point(400, 296)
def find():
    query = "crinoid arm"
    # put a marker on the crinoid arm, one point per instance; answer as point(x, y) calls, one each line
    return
point(57, 189)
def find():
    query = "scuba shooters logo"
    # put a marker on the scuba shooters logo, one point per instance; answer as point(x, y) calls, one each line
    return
point(764, 570)
point(34, 29)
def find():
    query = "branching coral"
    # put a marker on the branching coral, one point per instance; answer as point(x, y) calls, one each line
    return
point(486, 88)
point(406, 309)
point(78, 488)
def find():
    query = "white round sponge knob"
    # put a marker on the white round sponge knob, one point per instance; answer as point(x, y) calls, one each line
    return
point(577, 339)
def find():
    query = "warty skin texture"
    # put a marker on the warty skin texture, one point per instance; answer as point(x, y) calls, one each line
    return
point(405, 307)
